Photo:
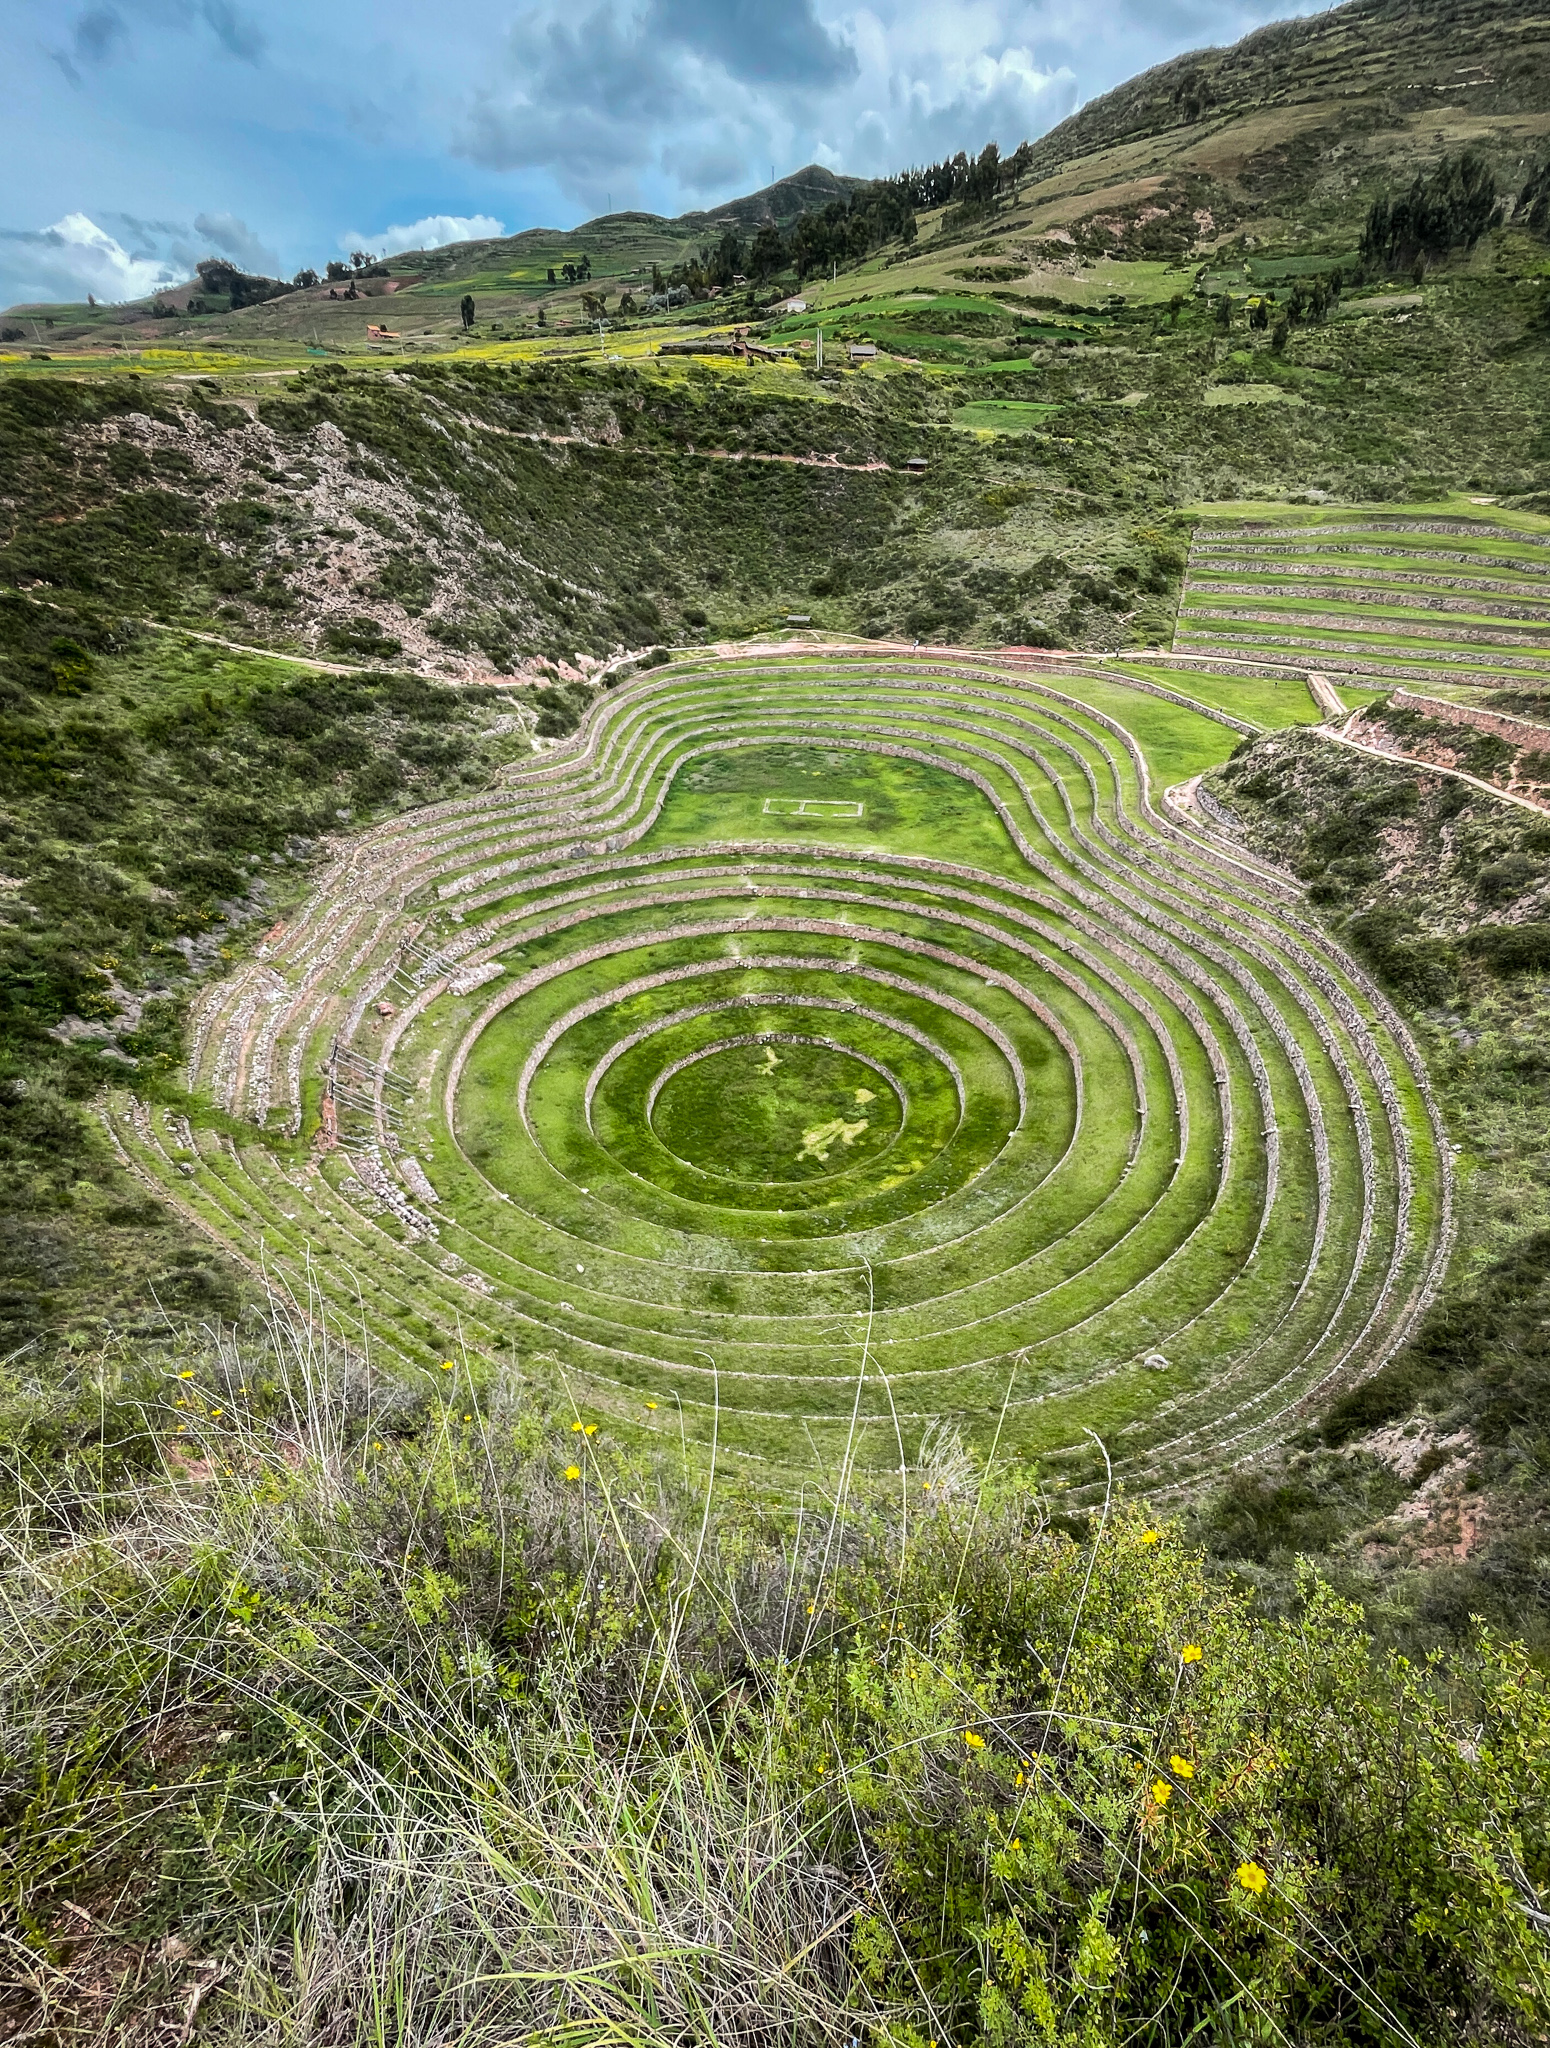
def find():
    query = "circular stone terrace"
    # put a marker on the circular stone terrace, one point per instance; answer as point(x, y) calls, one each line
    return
point(820, 1046)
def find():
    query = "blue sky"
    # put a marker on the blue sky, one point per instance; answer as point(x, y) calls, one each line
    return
point(143, 134)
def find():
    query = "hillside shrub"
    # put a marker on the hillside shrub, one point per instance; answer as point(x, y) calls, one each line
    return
point(360, 636)
point(561, 708)
point(1417, 967)
point(1511, 948)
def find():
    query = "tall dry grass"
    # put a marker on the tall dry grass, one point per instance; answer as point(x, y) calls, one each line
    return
point(599, 1846)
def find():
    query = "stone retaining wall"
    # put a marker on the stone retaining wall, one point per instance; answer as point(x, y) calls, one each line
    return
point(1517, 732)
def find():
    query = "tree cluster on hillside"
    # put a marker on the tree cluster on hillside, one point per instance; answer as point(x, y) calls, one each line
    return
point(843, 231)
point(1448, 208)
point(240, 287)
point(973, 182)
point(361, 264)
point(221, 279)
point(1309, 302)
point(848, 230)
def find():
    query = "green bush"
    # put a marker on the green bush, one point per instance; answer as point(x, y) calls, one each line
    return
point(361, 636)
point(1511, 948)
point(1418, 968)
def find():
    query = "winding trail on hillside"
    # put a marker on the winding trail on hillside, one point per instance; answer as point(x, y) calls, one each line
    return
point(1342, 737)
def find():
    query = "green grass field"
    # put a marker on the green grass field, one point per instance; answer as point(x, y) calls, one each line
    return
point(1003, 415)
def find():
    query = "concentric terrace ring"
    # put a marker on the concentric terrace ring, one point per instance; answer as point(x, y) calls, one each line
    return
point(820, 1048)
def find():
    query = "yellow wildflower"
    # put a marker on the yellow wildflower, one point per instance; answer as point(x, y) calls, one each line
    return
point(1151, 1535)
point(591, 1429)
point(1253, 1878)
point(1180, 1767)
point(185, 1375)
point(575, 1429)
point(1191, 1653)
point(974, 1741)
point(1162, 1791)
point(1018, 1781)
point(573, 1471)
point(447, 1365)
point(651, 1404)
point(1017, 1841)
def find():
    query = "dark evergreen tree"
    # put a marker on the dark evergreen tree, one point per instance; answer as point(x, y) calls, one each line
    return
point(1533, 209)
point(1449, 209)
point(237, 286)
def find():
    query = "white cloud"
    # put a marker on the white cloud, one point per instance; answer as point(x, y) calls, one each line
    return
point(435, 231)
point(73, 258)
point(643, 98)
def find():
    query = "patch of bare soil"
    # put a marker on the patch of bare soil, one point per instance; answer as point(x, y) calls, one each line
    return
point(1444, 1520)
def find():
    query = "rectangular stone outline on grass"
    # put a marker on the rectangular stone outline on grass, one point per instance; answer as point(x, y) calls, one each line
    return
point(812, 807)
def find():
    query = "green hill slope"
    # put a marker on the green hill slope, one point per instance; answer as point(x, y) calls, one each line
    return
point(1304, 113)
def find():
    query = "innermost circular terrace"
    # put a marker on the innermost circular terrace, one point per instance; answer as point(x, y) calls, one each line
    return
point(776, 1107)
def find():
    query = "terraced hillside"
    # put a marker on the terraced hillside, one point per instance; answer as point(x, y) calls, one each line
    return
point(829, 1042)
point(1394, 598)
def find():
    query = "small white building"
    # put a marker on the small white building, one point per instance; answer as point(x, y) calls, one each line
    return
point(790, 306)
point(863, 351)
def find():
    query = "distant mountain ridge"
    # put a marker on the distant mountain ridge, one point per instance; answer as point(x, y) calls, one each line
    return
point(801, 192)
point(781, 203)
